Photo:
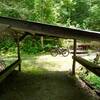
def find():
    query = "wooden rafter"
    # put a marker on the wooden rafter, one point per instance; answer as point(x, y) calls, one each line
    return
point(50, 30)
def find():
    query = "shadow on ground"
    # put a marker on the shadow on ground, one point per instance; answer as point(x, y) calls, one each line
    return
point(42, 86)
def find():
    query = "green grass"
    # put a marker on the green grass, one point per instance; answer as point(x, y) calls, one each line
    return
point(94, 80)
point(91, 78)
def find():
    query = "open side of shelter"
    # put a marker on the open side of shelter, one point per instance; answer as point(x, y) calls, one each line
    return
point(33, 28)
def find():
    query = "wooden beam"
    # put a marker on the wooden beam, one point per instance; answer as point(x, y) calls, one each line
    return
point(8, 70)
point(89, 65)
point(23, 36)
point(74, 54)
point(42, 42)
point(4, 27)
point(50, 30)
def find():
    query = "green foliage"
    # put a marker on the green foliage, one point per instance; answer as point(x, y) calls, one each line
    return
point(8, 11)
point(81, 11)
point(93, 21)
point(94, 80)
point(30, 47)
point(6, 42)
point(66, 7)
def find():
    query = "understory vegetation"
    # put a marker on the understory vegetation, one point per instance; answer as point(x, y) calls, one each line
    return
point(91, 78)
point(94, 80)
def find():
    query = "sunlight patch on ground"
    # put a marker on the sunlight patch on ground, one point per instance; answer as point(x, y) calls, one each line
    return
point(58, 63)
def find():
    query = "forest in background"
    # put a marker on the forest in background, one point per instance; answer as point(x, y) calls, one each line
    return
point(83, 14)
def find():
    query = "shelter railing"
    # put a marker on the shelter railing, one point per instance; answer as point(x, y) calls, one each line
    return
point(8, 70)
point(88, 65)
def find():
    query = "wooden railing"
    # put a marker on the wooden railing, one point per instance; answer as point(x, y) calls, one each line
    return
point(8, 70)
point(88, 65)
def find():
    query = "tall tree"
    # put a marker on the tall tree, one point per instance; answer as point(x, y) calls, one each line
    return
point(81, 11)
point(93, 21)
point(66, 8)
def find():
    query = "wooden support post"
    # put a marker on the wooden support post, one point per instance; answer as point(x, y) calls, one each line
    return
point(42, 42)
point(18, 51)
point(74, 54)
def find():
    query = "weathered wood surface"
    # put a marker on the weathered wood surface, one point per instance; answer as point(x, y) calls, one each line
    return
point(4, 27)
point(74, 55)
point(23, 36)
point(89, 65)
point(50, 30)
point(8, 70)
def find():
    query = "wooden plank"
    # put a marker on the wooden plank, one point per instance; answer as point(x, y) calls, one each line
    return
point(89, 65)
point(23, 36)
point(50, 30)
point(8, 70)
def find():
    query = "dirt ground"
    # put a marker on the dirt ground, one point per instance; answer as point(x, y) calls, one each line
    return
point(43, 78)
point(42, 86)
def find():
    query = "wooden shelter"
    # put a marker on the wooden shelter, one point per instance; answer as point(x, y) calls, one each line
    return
point(27, 27)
